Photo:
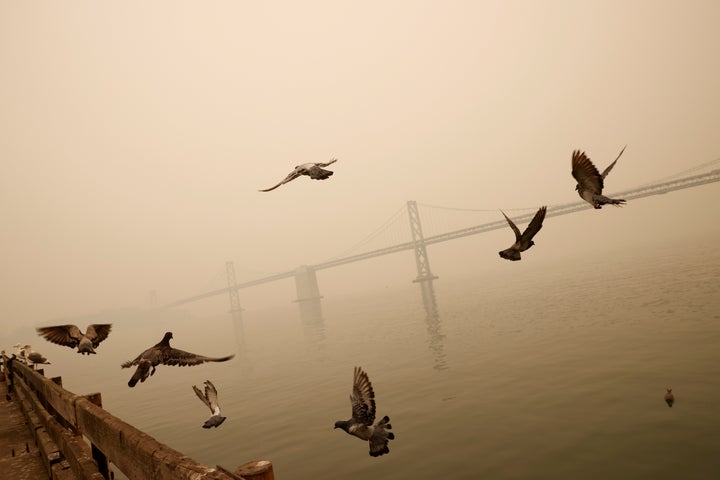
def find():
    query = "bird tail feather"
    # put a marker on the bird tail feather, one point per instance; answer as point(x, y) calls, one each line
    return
point(141, 374)
point(510, 254)
point(603, 200)
point(380, 437)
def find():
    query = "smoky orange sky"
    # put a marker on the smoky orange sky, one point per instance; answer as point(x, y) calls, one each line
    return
point(134, 137)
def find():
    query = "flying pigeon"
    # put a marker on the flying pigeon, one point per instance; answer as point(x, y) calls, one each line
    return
point(524, 241)
point(313, 170)
point(33, 356)
point(163, 353)
point(361, 425)
point(71, 336)
point(590, 182)
point(669, 397)
point(209, 398)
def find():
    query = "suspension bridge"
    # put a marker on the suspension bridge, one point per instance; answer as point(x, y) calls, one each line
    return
point(306, 280)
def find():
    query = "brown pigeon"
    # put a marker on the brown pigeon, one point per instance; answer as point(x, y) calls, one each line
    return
point(312, 170)
point(163, 353)
point(590, 182)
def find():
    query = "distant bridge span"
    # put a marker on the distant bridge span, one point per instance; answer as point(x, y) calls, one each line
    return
point(419, 242)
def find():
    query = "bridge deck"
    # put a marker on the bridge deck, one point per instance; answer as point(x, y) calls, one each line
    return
point(15, 436)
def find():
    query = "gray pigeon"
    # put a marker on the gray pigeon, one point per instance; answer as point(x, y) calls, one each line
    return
point(523, 241)
point(669, 397)
point(71, 336)
point(33, 356)
point(209, 398)
point(361, 425)
point(163, 353)
point(590, 181)
point(312, 170)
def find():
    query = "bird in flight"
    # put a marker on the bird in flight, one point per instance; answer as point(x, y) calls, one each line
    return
point(163, 353)
point(209, 398)
point(523, 241)
point(315, 171)
point(590, 182)
point(360, 424)
point(71, 336)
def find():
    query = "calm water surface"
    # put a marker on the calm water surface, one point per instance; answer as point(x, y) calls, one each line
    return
point(544, 375)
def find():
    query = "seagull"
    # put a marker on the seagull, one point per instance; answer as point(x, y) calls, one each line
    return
point(361, 425)
point(524, 241)
point(33, 356)
point(71, 336)
point(209, 398)
point(313, 170)
point(590, 182)
point(669, 397)
point(163, 353)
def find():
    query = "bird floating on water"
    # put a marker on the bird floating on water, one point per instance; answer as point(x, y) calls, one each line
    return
point(163, 353)
point(669, 397)
point(590, 182)
point(209, 398)
point(312, 170)
point(360, 424)
point(523, 241)
point(71, 336)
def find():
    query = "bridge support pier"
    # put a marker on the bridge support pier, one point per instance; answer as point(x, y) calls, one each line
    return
point(421, 257)
point(235, 308)
point(308, 292)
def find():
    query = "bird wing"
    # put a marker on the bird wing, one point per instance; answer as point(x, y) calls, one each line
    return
point(98, 332)
point(362, 398)
point(585, 173)
point(327, 164)
point(65, 335)
point(291, 176)
point(202, 397)
point(513, 226)
point(610, 167)
point(211, 394)
point(173, 356)
point(136, 360)
point(534, 226)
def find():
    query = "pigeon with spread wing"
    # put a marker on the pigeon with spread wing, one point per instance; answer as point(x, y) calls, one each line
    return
point(71, 336)
point(312, 170)
point(209, 398)
point(590, 182)
point(523, 241)
point(163, 353)
point(361, 425)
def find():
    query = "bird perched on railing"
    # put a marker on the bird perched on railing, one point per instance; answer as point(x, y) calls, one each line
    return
point(523, 241)
point(71, 336)
point(209, 398)
point(360, 424)
point(33, 356)
point(590, 182)
point(163, 353)
point(312, 170)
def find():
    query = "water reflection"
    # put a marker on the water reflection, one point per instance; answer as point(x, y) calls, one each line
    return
point(313, 322)
point(239, 329)
point(434, 327)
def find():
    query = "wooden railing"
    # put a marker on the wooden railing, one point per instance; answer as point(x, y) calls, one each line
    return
point(60, 419)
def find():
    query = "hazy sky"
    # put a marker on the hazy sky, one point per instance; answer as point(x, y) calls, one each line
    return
point(134, 135)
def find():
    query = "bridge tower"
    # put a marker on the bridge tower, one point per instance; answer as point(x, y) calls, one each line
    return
point(421, 258)
point(235, 308)
point(308, 292)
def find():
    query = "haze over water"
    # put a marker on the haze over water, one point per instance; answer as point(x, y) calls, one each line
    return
point(557, 374)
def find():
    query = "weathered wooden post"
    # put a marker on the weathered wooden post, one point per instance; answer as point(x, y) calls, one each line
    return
point(256, 470)
point(99, 457)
